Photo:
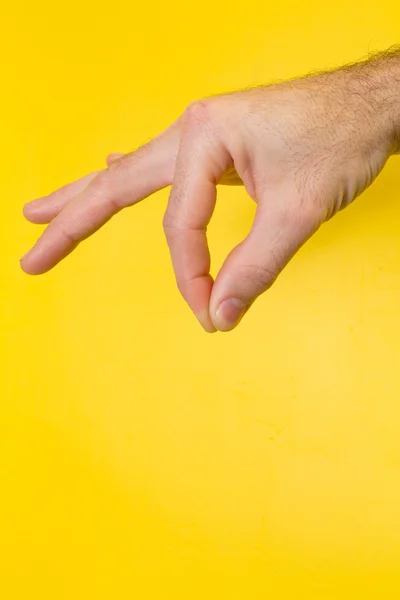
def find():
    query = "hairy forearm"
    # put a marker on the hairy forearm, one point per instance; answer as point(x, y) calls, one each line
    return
point(365, 95)
point(373, 86)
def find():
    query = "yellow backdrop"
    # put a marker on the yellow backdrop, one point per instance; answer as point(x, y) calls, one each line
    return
point(139, 456)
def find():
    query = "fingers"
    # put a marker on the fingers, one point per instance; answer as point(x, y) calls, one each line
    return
point(129, 180)
point(200, 164)
point(252, 267)
point(43, 210)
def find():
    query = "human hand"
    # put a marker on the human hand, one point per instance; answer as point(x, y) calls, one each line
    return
point(303, 149)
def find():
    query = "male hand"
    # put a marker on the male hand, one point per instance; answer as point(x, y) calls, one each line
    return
point(303, 149)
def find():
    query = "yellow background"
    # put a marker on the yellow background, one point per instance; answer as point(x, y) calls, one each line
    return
point(139, 456)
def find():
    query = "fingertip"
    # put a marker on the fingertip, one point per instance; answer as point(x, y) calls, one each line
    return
point(25, 266)
point(38, 211)
point(34, 214)
point(205, 321)
point(197, 294)
point(229, 313)
point(26, 263)
point(30, 268)
point(38, 260)
point(29, 208)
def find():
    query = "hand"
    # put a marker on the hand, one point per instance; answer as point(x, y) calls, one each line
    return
point(303, 149)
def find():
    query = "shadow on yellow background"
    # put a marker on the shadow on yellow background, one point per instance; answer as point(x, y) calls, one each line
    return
point(140, 457)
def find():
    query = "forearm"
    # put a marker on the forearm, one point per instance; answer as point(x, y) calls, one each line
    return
point(373, 86)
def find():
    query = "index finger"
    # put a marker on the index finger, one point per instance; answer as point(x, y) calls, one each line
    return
point(129, 180)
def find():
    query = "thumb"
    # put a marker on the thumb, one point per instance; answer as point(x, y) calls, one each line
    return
point(252, 267)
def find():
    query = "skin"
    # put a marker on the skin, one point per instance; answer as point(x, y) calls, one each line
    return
point(303, 149)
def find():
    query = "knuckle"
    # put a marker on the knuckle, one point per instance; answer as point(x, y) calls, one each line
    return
point(103, 177)
point(197, 113)
point(181, 285)
point(169, 224)
point(102, 183)
point(67, 233)
point(104, 188)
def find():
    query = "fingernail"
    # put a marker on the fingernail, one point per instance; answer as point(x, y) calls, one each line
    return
point(229, 313)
